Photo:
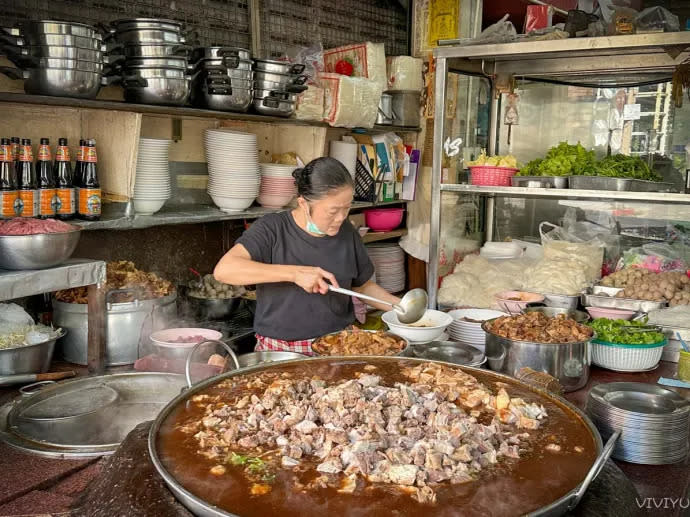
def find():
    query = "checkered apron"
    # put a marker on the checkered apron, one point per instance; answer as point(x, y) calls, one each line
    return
point(278, 345)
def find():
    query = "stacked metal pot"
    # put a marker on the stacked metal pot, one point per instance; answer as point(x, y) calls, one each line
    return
point(156, 60)
point(223, 78)
point(276, 87)
point(55, 58)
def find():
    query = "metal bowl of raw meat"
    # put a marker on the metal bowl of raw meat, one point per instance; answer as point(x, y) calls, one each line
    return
point(39, 251)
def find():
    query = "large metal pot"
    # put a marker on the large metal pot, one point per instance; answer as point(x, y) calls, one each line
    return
point(274, 106)
point(278, 67)
point(28, 359)
point(202, 508)
point(40, 251)
point(66, 64)
point(225, 64)
point(282, 79)
point(569, 363)
point(59, 27)
point(210, 308)
point(52, 51)
point(159, 90)
point(59, 40)
point(200, 53)
point(59, 82)
point(127, 325)
point(221, 98)
point(155, 72)
point(145, 23)
point(155, 50)
point(149, 36)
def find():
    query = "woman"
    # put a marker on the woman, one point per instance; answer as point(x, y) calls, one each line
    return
point(293, 256)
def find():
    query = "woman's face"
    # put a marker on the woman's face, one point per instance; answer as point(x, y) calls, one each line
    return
point(329, 212)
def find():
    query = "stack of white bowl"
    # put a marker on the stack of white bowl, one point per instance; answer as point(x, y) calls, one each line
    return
point(233, 168)
point(277, 185)
point(152, 181)
point(389, 264)
point(471, 332)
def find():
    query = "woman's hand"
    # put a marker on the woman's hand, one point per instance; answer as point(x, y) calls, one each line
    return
point(313, 279)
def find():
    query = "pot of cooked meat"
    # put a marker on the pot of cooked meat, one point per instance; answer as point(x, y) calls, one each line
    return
point(558, 345)
point(373, 436)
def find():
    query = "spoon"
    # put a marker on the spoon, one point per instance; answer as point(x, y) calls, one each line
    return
point(411, 308)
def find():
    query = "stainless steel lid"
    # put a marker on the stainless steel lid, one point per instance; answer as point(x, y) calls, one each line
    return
point(450, 352)
point(87, 416)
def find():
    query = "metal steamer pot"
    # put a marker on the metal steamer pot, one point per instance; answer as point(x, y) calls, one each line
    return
point(201, 508)
point(59, 27)
point(569, 363)
point(127, 325)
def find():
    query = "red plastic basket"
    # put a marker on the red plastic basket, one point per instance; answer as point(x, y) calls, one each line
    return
point(489, 176)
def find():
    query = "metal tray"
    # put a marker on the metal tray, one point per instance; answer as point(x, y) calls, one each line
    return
point(608, 291)
point(540, 181)
point(563, 301)
point(590, 299)
point(619, 184)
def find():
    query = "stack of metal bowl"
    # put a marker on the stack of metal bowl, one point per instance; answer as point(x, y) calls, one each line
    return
point(156, 60)
point(276, 86)
point(222, 78)
point(55, 58)
point(654, 421)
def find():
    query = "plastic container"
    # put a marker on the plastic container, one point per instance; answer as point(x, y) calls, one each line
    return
point(684, 366)
point(610, 314)
point(627, 358)
point(515, 301)
point(489, 176)
point(383, 219)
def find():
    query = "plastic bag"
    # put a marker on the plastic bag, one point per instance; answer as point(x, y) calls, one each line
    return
point(560, 244)
point(12, 313)
point(312, 59)
point(657, 18)
point(503, 31)
point(656, 257)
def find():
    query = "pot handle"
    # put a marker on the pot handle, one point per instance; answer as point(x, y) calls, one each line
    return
point(12, 73)
point(231, 61)
point(188, 363)
point(219, 91)
point(595, 470)
point(15, 41)
point(297, 69)
point(19, 59)
point(181, 50)
point(113, 292)
point(30, 389)
point(299, 80)
point(296, 88)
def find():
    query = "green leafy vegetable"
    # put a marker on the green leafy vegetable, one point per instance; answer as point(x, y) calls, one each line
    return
point(616, 331)
point(621, 166)
point(237, 459)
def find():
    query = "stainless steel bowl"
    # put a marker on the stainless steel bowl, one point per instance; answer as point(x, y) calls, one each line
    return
point(155, 72)
point(155, 50)
point(225, 63)
point(401, 353)
point(563, 301)
point(274, 107)
point(65, 64)
point(59, 27)
point(254, 358)
point(220, 53)
point(278, 67)
point(30, 358)
point(280, 79)
point(54, 52)
point(160, 90)
point(221, 98)
point(579, 316)
point(59, 82)
point(40, 251)
point(175, 62)
point(59, 40)
point(149, 36)
point(569, 363)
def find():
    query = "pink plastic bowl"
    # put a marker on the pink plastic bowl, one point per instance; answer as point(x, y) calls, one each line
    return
point(383, 219)
point(610, 314)
point(519, 301)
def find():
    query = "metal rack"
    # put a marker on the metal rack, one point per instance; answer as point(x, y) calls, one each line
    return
point(592, 62)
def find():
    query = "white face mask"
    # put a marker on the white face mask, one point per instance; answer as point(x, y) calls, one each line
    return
point(311, 225)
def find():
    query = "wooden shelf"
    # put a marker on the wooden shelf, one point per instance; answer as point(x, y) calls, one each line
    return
point(383, 236)
point(180, 111)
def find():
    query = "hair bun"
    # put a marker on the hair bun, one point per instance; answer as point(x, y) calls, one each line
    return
point(298, 173)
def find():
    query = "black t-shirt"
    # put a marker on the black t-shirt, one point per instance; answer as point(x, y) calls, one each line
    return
point(284, 310)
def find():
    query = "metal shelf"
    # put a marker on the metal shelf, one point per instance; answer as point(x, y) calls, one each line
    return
point(604, 60)
point(114, 219)
point(73, 273)
point(660, 197)
point(178, 112)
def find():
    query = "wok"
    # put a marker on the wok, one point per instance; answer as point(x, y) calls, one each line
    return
point(558, 506)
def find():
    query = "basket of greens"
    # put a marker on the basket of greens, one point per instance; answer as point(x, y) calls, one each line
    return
point(626, 346)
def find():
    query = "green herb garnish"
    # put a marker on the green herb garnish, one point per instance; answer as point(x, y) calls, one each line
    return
point(622, 332)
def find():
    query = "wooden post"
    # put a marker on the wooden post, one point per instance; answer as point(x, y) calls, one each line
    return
point(97, 330)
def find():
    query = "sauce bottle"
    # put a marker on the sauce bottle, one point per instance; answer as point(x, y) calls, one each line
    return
point(46, 182)
point(8, 181)
point(62, 172)
point(89, 206)
point(15, 143)
point(28, 192)
point(78, 167)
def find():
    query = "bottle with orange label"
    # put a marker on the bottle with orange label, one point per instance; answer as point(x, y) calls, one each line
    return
point(26, 175)
point(8, 181)
point(46, 183)
point(89, 205)
point(62, 172)
point(77, 175)
point(15, 144)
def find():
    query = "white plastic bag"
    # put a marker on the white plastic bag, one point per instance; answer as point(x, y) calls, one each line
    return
point(560, 245)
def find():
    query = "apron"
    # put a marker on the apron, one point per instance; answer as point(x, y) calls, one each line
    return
point(264, 344)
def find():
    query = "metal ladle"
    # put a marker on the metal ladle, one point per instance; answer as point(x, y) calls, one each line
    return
point(410, 310)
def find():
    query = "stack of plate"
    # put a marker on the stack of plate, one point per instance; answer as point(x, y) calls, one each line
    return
point(654, 421)
point(467, 325)
point(233, 168)
point(277, 185)
point(152, 180)
point(389, 264)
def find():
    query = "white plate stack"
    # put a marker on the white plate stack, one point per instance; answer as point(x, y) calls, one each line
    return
point(233, 168)
point(470, 332)
point(277, 185)
point(152, 181)
point(389, 263)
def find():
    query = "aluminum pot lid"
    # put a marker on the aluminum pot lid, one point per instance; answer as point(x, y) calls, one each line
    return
point(450, 352)
point(88, 416)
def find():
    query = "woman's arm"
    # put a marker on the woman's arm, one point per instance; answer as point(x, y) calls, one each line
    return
point(237, 268)
point(375, 290)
